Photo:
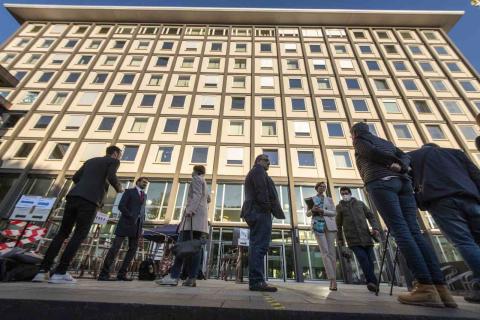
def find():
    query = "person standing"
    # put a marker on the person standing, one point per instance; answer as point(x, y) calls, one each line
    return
point(383, 168)
point(261, 202)
point(324, 228)
point(195, 220)
point(91, 184)
point(130, 225)
point(447, 184)
point(352, 216)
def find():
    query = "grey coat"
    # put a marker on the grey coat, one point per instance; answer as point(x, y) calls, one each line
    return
point(329, 214)
point(197, 204)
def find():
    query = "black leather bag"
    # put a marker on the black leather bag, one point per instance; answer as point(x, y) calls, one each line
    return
point(186, 248)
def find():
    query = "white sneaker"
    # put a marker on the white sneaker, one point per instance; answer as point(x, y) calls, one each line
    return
point(62, 278)
point(41, 277)
point(167, 281)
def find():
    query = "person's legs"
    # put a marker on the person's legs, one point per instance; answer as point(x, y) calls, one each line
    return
point(86, 212)
point(260, 233)
point(363, 257)
point(111, 255)
point(370, 272)
point(178, 262)
point(195, 260)
point(68, 221)
point(132, 250)
point(323, 245)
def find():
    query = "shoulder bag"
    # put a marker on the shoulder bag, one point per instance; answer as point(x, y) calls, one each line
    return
point(186, 248)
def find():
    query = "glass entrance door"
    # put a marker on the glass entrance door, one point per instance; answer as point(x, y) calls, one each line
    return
point(275, 263)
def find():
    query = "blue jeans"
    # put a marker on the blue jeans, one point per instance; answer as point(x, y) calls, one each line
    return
point(260, 235)
point(396, 204)
point(192, 263)
point(459, 220)
point(365, 257)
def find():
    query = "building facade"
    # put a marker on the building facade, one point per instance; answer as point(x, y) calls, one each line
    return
point(177, 87)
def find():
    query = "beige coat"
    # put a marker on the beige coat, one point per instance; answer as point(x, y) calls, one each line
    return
point(197, 204)
point(329, 214)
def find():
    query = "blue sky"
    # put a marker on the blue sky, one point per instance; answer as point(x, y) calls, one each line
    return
point(466, 33)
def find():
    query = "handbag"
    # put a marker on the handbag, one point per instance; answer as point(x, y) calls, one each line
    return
point(186, 248)
point(318, 225)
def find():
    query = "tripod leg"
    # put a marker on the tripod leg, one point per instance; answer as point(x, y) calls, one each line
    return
point(382, 262)
point(395, 262)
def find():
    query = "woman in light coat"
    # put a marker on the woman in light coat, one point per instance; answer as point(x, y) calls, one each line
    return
point(195, 218)
point(324, 227)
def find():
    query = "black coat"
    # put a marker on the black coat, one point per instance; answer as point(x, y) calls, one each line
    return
point(261, 194)
point(442, 172)
point(92, 179)
point(133, 214)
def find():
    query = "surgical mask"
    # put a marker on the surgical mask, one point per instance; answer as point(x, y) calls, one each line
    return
point(346, 197)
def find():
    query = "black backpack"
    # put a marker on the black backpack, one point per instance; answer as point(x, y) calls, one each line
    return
point(146, 270)
point(12, 270)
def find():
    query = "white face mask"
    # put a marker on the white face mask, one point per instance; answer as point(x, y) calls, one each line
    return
point(346, 197)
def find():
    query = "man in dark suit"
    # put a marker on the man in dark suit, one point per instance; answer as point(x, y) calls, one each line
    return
point(261, 202)
point(91, 184)
point(132, 207)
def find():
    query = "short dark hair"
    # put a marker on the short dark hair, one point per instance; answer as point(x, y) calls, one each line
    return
point(345, 189)
point(199, 169)
point(140, 179)
point(319, 184)
point(112, 149)
point(260, 156)
point(431, 144)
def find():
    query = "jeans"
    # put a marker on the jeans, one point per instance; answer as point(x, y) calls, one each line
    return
point(395, 201)
point(365, 257)
point(192, 263)
point(113, 252)
point(260, 236)
point(459, 220)
point(79, 213)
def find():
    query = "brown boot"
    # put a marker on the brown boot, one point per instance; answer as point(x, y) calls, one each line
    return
point(422, 295)
point(446, 296)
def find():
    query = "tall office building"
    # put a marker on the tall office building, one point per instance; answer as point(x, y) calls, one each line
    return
point(175, 87)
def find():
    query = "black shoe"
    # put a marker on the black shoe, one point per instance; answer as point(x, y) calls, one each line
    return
point(372, 287)
point(262, 286)
point(104, 277)
point(123, 278)
point(473, 296)
point(189, 283)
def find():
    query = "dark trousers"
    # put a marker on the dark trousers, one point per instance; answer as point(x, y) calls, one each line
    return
point(366, 257)
point(192, 263)
point(260, 236)
point(113, 252)
point(395, 201)
point(78, 213)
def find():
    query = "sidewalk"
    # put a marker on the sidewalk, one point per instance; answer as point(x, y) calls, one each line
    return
point(212, 299)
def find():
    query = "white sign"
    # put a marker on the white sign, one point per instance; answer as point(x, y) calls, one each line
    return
point(33, 208)
point(27, 201)
point(101, 218)
point(244, 237)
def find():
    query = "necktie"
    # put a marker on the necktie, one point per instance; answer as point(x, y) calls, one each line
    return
point(142, 196)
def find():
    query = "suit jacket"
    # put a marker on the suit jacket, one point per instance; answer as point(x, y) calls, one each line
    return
point(329, 214)
point(92, 179)
point(133, 214)
point(260, 195)
point(197, 204)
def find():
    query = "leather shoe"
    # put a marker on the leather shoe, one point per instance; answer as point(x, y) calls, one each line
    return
point(123, 278)
point(262, 286)
point(104, 278)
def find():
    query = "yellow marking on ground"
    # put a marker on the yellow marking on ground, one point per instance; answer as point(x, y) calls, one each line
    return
point(272, 302)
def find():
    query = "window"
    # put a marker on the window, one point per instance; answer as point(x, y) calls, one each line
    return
point(373, 65)
point(84, 60)
point(315, 48)
point(238, 103)
point(365, 49)
point(106, 124)
point(306, 158)
point(329, 105)
point(359, 34)
point(239, 63)
point(295, 83)
point(211, 81)
point(467, 86)
point(103, 30)
point(346, 64)
point(59, 151)
point(178, 101)
point(162, 61)
point(35, 29)
point(204, 126)
point(426, 66)
point(410, 85)
point(70, 43)
point(391, 106)
point(266, 63)
point(167, 45)
point(382, 35)
point(323, 83)
point(390, 49)
point(399, 66)
point(290, 47)
point(155, 80)
point(301, 128)
point(268, 104)
point(12, 120)
point(100, 78)
point(477, 104)
point(406, 35)
point(438, 85)
point(34, 59)
point(441, 50)
point(119, 44)
point(87, 99)
point(20, 74)
point(319, 64)
point(59, 98)
point(342, 159)
point(352, 84)
point(241, 47)
point(453, 67)
point(468, 132)
point(139, 125)
point(213, 63)
point(199, 155)
point(191, 46)
point(422, 106)
point(30, 97)
point(381, 84)
point(216, 47)
point(272, 156)
point(208, 102)
point(73, 77)
point(235, 156)
point(236, 128)
point(340, 49)
point(360, 105)
point(265, 47)
point(452, 107)
point(183, 81)
point(171, 126)
point(402, 131)
point(24, 150)
point(372, 128)
point(298, 104)
point(143, 45)
point(335, 129)
point(336, 33)
point(8, 58)
point(164, 155)
point(269, 128)
point(292, 64)
point(415, 50)
point(95, 44)
point(110, 60)
point(266, 82)
point(118, 99)
point(127, 78)
point(435, 132)
point(430, 35)
point(43, 122)
point(130, 153)
point(148, 100)
point(45, 77)
point(136, 61)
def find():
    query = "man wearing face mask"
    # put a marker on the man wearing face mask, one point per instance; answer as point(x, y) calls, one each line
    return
point(352, 216)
